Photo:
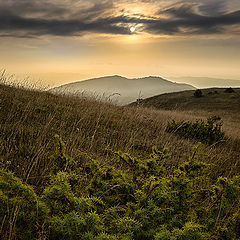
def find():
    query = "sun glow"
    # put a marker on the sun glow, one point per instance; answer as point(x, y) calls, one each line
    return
point(132, 29)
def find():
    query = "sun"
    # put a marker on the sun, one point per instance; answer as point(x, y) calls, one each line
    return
point(132, 29)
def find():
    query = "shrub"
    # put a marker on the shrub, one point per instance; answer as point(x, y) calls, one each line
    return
point(21, 214)
point(198, 93)
point(206, 132)
point(139, 200)
point(229, 90)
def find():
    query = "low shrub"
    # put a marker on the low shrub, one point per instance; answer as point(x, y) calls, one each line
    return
point(198, 93)
point(206, 132)
point(138, 200)
point(229, 90)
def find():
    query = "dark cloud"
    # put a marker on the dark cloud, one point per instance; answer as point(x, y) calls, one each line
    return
point(26, 7)
point(186, 19)
point(32, 18)
point(38, 26)
point(213, 8)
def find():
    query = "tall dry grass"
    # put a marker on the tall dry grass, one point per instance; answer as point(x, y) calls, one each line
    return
point(29, 119)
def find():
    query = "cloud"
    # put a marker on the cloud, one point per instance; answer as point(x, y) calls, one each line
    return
point(213, 7)
point(69, 27)
point(188, 19)
point(33, 18)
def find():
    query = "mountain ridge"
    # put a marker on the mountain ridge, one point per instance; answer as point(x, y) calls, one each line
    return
point(207, 82)
point(128, 89)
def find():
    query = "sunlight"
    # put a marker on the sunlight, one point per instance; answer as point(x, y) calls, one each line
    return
point(132, 29)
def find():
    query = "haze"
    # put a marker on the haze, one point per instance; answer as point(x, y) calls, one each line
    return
point(61, 41)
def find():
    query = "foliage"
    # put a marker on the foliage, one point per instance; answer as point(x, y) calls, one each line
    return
point(19, 207)
point(198, 93)
point(207, 132)
point(137, 200)
point(30, 119)
point(229, 90)
point(60, 160)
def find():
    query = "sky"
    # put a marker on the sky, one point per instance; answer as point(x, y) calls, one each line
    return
point(60, 41)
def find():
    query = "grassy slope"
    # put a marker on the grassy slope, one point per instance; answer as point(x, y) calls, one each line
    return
point(211, 101)
point(226, 105)
point(29, 120)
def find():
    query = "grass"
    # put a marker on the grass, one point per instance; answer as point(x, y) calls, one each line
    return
point(215, 101)
point(29, 119)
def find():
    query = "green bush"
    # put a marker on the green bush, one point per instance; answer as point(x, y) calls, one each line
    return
point(21, 214)
point(206, 132)
point(138, 200)
point(229, 90)
point(198, 93)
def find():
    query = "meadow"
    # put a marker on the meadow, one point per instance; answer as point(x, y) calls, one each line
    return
point(49, 141)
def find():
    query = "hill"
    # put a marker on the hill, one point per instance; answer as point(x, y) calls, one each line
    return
point(120, 89)
point(206, 82)
point(213, 99)
point(63, 173)
point(30, 119)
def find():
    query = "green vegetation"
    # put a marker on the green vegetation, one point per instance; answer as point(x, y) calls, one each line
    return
point(198, 93)
point(208, 132)
point(216, 101)
point(173, 194)
point(229, 90)
point(140, 200)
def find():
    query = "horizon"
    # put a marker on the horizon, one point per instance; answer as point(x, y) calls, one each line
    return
point(37, 82)
point(180, 80)
point(100, 84)
point(71, 41)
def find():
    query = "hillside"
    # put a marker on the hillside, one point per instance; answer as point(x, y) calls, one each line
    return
point(30, 119)
point(206, 82)
point(83, 122)
point(122, 90)
point(63, 174)
point(213, 99)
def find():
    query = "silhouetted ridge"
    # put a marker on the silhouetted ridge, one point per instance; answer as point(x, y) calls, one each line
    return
point(129, 90)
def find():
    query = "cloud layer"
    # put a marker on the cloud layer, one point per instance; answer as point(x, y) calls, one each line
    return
point(32, 18)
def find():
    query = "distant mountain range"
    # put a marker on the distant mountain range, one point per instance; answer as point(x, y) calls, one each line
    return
point(205, 82)
point(122, 90)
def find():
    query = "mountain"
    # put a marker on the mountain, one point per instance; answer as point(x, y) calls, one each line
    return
point(205, 82)
point(122, 90)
